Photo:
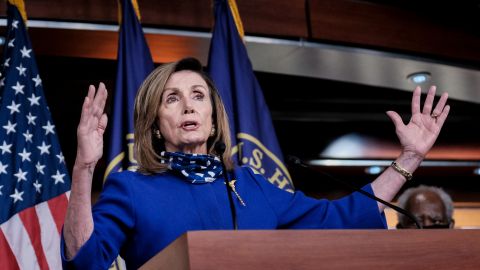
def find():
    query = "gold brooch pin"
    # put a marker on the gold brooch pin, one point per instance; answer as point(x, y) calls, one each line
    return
point(232, 185)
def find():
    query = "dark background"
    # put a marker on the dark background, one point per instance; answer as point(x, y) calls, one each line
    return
point(308, 113)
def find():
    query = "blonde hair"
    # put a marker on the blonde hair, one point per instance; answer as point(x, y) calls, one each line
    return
point(147, 103)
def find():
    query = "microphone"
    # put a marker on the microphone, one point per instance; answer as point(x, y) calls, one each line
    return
point(220, 149)
point(298, 162)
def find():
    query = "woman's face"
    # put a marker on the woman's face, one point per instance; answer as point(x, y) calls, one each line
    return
point(185, 114)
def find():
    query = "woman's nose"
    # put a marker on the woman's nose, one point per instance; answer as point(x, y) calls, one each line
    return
point(188, 111)
point(188, 108)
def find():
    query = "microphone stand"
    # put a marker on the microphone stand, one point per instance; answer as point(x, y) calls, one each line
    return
point(298, 162)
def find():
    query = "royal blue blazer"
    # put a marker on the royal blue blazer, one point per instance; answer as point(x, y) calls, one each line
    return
point(138, 215)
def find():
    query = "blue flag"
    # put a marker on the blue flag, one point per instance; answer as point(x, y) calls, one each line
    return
point(134, 64)
point(34, 180)
point(253, 136)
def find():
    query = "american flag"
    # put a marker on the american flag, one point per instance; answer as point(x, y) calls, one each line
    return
point(34, 181)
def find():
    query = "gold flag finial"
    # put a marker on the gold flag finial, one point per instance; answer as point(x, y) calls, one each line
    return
point(21, 8)
point(135, 7)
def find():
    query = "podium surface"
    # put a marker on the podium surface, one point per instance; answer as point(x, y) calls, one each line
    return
point(322, 249)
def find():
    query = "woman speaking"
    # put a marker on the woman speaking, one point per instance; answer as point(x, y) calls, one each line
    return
point(179, 185)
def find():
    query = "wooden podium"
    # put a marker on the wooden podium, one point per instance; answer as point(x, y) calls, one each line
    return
point(322, 249)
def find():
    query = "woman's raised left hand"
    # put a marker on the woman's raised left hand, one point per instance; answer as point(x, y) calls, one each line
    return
point(421, 132)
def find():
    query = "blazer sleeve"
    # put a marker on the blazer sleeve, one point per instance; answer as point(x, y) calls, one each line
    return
point(298, 211)
point(113, 217)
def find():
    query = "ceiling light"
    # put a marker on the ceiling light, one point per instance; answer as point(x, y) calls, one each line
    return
point(419, 77)
point(374, 170)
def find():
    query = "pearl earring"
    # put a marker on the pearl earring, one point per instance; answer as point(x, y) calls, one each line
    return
point(157, 134)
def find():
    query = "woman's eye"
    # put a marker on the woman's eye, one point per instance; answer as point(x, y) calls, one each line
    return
point(199, 96)
point(171, 99)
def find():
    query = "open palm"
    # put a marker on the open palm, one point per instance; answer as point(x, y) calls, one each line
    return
point(421, 132)
point(91, 128)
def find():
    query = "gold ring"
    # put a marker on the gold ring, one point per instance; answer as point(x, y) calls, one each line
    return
point(434, 115)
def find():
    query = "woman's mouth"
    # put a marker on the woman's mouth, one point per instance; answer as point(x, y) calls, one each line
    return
point(189, 125)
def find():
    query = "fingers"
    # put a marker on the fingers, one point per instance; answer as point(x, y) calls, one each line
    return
point(94, 103)
point(427, 107)
point(416, 100)
point(100, 100)
point(440, 112)
point(102, 124)
point(440, 105)
point(91, 92)
point(443, 116)
point(396, 119)
point(87, 104)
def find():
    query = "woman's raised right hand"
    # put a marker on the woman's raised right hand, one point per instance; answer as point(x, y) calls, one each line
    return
point(91, 128)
